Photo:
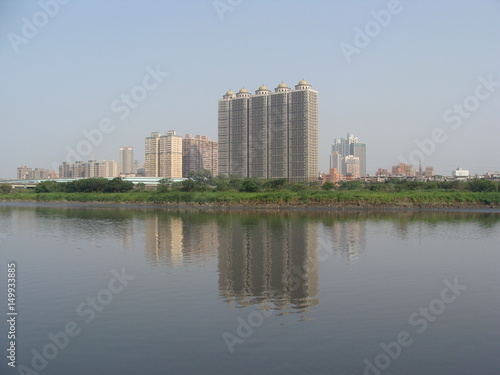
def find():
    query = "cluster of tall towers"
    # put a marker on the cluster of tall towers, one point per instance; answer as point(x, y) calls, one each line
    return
point(269, 134)
point(169, 155)
point(348, 156)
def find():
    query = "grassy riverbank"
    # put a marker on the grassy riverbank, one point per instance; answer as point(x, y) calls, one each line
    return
point(355, 198)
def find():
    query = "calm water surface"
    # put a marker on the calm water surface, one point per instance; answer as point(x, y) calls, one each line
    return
point(154, 291)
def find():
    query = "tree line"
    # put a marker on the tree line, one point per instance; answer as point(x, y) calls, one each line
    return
point(204, 181)
point(86, 185)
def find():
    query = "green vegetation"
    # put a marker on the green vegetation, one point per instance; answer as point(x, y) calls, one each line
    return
point(203, 188)
point(86, 185)
point(285, 197)
point(328, 186)
point(5, 188)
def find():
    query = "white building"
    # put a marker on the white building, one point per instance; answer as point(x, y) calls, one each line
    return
point(459, 172)
point(352, 166)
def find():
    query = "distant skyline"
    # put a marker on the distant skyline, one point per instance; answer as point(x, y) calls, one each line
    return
point(412, 79)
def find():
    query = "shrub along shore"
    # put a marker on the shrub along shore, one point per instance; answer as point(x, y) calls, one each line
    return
point(203, 189)
point(355, 198)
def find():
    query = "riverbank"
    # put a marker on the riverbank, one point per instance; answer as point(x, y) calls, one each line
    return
point(274, 199)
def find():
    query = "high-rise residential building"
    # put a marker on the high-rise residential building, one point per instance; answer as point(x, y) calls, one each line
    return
point(164, 155)
point(171, 155)
point(41, 174)
point(152, 156)
point(79, 169)
point(65, 170)
point(271, 134)
point(106, 168)
point(27, 173)
point(93, 168)
point(198, 153)
point(127, 160)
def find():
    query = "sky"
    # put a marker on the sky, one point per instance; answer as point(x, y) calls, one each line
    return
point(414, 80)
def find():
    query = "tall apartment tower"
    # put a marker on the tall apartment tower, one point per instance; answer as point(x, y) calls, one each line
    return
point(271, 134)
point(359, 150)
point(127, 160)
point(152, 156)
point(198, 153)
point(164, 155)
point(171, 155)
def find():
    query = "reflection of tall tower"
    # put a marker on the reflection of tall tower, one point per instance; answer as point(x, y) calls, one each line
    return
point(163, 238)
point(127, 233)
point(268, 259)
point(176, 238)
point(349, 238)
point(200, 239)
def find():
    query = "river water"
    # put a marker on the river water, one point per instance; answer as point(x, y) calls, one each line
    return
point(113, 290)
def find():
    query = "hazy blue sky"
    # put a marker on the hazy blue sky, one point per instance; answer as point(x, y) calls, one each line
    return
point(400, 87)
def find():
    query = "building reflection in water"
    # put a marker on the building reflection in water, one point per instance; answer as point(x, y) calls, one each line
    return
point(268, 259)
point(349, 238)
point(175, 239)
point(163, 239)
